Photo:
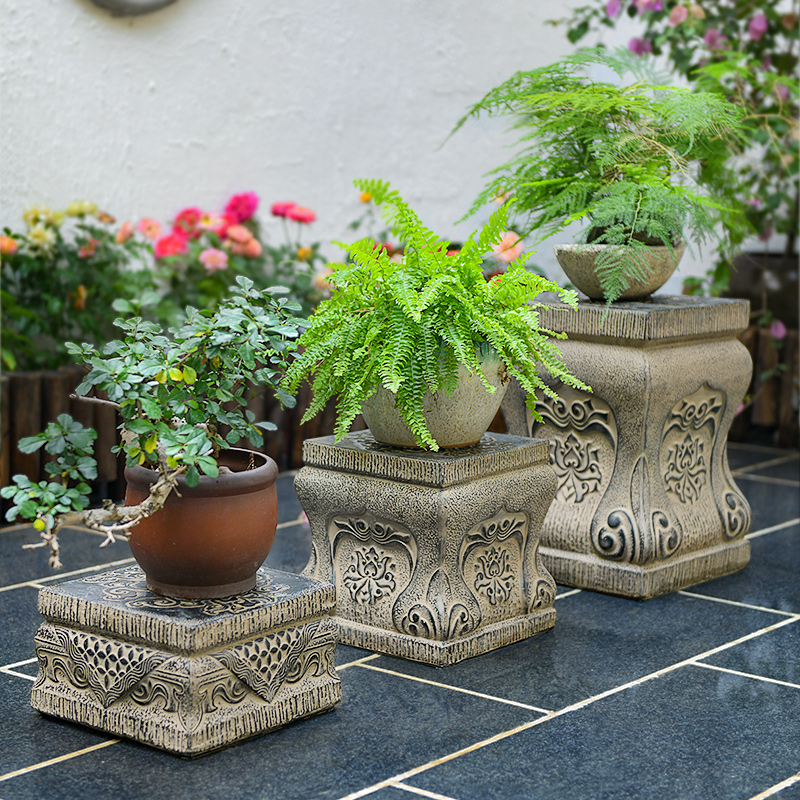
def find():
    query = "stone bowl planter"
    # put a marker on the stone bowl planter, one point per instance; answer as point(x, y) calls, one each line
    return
point(457, 420)
point(578, 262)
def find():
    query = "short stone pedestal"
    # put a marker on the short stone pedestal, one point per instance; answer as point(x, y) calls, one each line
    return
point(645, 503)
point(188, 676)
point(434, 555)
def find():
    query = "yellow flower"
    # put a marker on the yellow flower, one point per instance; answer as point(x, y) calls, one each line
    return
point(35, 214)
point(81, 208)
point(304, 253)
point(41, 237)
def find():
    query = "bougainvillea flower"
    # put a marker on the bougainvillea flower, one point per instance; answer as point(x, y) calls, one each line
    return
point(757, 26)
point(8, 246)
point(281, 209)
point(150, 228)
point(678, 15)
point(508, 248)
point(613, 7)
point(715, 40)
point(124, 233)
point(640, 46)
point(173, 244)
point(186, 222)
point(242, 207)
point(647, 5)
point(782, 92)
point(213, 259)
point(301, 214)
point(777, 330)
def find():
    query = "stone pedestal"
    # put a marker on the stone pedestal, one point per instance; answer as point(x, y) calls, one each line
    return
point(188, 676)
point(434, 555)
point(645, 503)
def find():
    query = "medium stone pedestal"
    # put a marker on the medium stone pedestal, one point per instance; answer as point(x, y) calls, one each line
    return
point(645, 503)
point(434, 555)
point(186, 676)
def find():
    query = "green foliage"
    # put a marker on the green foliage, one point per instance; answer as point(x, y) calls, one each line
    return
point(72, 467)
point(408, 324)
point(60, 278)
point(626, 161)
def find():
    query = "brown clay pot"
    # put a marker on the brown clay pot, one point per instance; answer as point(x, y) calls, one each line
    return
point(210, 541)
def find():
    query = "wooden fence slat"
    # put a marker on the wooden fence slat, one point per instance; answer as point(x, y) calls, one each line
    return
point(26, 420)
point(5, 431)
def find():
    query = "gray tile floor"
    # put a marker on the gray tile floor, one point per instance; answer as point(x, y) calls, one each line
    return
point(693, 695)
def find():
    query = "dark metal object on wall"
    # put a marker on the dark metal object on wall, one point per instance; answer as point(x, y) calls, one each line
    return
point(132, 8)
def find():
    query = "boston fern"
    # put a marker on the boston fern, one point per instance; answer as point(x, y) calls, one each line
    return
point(181, 397)
point(641, 164)
point(408, 324)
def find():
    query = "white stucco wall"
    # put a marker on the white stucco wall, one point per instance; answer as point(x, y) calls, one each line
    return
point(184, 106)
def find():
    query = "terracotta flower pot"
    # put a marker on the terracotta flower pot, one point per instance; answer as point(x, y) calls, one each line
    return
point(457, 420)
point(578, 262)
point(210, 541)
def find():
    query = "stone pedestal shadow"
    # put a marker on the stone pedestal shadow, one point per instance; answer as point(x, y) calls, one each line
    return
point(434, 555)
point(645, 502)
point(187, 676)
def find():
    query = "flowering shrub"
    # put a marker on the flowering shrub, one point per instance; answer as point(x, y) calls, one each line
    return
point(201, 254)
point(748, 52)
point(60, 278)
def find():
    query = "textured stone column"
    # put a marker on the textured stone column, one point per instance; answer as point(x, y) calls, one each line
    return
point(186, 676)
point(434, 555)
point(645, 502)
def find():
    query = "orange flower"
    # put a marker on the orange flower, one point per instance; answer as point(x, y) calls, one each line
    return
point(105, 218)
point(239, 234)
point(365, 197)
point(304, 253)
point(80, 298)
point(508, 248)
point(8, 246)
point(124, 233)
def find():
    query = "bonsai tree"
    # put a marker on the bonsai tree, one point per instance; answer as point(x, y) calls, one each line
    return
point(181, 398)
point(407, 322)
point(639, 164)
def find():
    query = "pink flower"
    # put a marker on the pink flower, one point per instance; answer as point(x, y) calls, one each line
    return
point(124, 233)
point(301, 214)
point(647, 5)
point(755, 202)
point(187, 221)
point(173, 244)
point(281, 209)
point(777, 330)
point(250, 249)
point(640, 46)
point(766, 233)
point(213, 259)
point(715, 40)
point(508, 248)
point(678, 15)
point(88, 249)
point(781, 92)
point(757, 26)
point(241, 207)
point(239, 234)
point(613, 7)
point(150, 228)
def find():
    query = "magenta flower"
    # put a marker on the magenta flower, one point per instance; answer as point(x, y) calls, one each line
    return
point(640, 46)
point(613, 7)
point(173, 244)
point(678, 15)
point(647, 5)
point(757, 26)
point(777, 330)
point(213, 259)
point(242, 206)
point(281, 209)
point(715, 40)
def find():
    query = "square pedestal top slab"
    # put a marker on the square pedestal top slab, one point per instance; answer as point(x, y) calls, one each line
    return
point(360, 453)
point(637, 322)
point(119, 604)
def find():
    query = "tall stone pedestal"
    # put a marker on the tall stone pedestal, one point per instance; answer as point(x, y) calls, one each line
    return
point(188, 676)
point(434, 555)
point(645, 502)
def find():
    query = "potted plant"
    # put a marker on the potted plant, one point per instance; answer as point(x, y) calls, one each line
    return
point(182, 405)
point(400, 333)
point(640, 165)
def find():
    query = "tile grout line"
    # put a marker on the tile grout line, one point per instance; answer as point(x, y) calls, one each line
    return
point(358, 662)
point(34, 582)
point(421, 792)
point(737, 603)
point(568, 594)
point(779, 527)
point(566, 710)
point(15, 674)
point(456, 689)
point(778, 787)
point(59, 759)
point(20, 663)
point(748, 675)
point(772, 462)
